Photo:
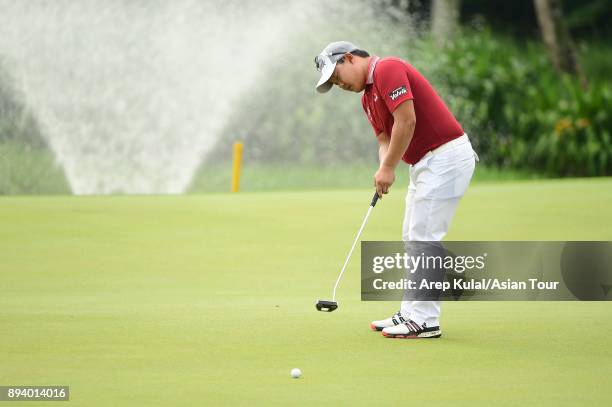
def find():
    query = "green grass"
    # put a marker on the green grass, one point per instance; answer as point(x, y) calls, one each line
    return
point(209, 300)
point(277, 177)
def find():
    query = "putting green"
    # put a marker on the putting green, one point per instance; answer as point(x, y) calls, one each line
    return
point(209, 300)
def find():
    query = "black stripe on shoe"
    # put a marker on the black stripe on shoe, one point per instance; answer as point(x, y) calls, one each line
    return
point(399, 320)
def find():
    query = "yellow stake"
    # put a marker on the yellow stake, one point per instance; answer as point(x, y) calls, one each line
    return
point(236, 166)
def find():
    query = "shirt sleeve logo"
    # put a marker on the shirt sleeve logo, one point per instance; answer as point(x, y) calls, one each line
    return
point(398, 92)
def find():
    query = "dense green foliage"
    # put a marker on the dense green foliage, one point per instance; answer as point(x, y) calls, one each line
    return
point(522, 114)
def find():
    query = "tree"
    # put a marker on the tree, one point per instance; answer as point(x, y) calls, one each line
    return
point(444, 19)
point(557, 37)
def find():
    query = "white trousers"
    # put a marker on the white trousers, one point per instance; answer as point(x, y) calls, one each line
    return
point(437, 183)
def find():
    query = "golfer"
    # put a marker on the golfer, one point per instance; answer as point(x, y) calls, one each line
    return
point(411, 123)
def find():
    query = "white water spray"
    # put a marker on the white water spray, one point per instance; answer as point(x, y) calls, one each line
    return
point(132, 94)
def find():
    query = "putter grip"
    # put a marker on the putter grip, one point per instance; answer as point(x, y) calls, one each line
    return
point(374, 199)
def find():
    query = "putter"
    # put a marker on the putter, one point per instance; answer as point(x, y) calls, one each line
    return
point(329, 306)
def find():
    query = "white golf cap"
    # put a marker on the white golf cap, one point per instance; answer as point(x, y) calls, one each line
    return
point(327, 59)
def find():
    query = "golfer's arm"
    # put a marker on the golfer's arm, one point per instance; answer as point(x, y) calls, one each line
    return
point(401, 134)
point(383, 146)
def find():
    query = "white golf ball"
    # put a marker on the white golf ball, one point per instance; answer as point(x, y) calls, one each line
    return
point(296, 373)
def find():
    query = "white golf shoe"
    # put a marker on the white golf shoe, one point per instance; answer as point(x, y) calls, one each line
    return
point(412, 330)
point(389, 322)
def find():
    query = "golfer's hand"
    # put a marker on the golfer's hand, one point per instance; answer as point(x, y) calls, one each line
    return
point(383, 179)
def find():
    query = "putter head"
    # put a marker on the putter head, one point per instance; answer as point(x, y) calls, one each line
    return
point(326, 306)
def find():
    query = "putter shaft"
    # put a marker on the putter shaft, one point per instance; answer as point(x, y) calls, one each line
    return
point(365, 220)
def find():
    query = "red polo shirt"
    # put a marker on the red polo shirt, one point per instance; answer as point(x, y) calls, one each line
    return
point(392, 81)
